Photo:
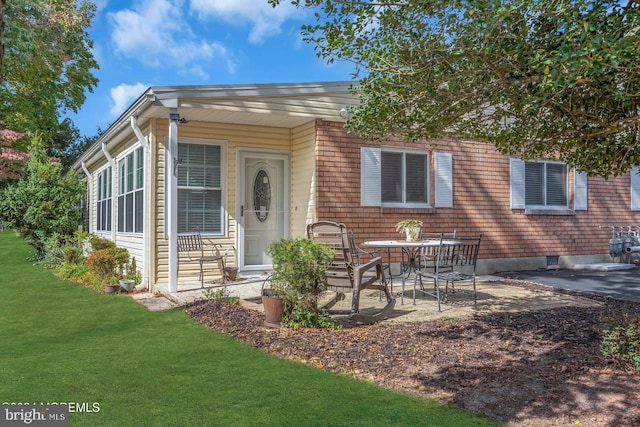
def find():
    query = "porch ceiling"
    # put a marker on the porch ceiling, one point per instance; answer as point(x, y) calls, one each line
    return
point(249, 106)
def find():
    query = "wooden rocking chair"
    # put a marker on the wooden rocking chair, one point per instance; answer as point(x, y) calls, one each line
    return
point(345, 275)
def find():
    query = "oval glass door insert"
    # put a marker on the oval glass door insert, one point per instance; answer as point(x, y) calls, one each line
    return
point(262, 195)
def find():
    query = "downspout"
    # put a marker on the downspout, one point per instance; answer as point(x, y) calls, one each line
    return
point(146, 225)
point(114, 189)
point(89, 197)
point(171, 203)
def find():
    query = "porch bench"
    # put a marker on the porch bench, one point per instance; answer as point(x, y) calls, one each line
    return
point(191, 248)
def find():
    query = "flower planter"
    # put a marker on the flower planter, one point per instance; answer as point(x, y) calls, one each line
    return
point(230, 274)
point(273, 308)
point(413, 235)
point(111, 288)
point(127, 284)
point(411, 228)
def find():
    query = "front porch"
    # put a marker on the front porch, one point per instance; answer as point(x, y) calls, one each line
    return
point(247, 287)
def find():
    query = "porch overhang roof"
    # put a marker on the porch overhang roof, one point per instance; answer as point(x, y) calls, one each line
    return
point(273, 105)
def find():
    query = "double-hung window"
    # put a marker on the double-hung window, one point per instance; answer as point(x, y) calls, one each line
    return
point(400, 178)
point(539, 184)
point(405, 177)
point(200, 185)
point(103, 204)
point(131, 192)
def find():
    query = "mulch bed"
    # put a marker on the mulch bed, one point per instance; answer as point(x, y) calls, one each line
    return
point(525, 368)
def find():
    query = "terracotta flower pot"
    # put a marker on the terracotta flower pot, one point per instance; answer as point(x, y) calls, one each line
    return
point(111, 288)
point(273, 308)
point(230, 274)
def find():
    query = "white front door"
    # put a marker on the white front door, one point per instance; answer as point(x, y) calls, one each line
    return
point(263, 206)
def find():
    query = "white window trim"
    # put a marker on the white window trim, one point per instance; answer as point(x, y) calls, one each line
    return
point(223, 180)
point(123, 156)
point(101, 173)
point(517, 189)
point(371, 179)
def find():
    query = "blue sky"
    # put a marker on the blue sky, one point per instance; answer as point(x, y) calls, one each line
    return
point(142, 43)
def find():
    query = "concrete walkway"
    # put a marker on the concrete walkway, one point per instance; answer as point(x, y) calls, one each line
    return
point(247, 288)
point(620, 281)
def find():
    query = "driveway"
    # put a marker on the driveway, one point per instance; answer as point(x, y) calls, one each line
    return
point(620, 284)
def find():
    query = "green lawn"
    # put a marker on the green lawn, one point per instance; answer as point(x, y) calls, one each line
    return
point(61, 342)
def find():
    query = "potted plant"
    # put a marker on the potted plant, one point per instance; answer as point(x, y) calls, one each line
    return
point(298, 276)
point(272, 305)
point(132, 276)
point(111, 286)
point(411, 228)
point(230, 272)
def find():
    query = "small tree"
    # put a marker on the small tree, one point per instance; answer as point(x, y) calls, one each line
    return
point(44, 201)
point(12, 160)
point(47, 62)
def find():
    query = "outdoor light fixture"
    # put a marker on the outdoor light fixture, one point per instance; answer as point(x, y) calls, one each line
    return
point(175, 117)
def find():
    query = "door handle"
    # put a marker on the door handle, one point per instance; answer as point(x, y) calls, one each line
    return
point(241, 210)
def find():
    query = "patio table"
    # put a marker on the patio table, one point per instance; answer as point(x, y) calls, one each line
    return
point(410, 254)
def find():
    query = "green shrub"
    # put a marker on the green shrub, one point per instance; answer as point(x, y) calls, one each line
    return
point(109, 264)
point(52, 251)
point(98, 243)
point(220, 294)
point(621, 338)
point(44, 202)
point(298, 275)
point(78, 273)
point(72, 255)
point(301, 318)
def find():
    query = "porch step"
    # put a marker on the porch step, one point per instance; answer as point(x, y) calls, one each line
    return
point(154, 302)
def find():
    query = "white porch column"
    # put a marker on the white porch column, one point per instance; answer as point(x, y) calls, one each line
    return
point(172, 202)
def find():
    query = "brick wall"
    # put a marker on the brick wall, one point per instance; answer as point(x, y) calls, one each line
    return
point(480, 201)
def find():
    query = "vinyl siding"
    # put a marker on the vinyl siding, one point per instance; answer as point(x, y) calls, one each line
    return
point(303, 170)
point(236, 137)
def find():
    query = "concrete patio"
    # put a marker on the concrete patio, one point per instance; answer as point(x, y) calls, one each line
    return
point(494, 294)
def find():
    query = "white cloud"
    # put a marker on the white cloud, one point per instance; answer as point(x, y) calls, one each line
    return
point(122, 96)
point(155, 33)
point(265, 19)
point(100, 4)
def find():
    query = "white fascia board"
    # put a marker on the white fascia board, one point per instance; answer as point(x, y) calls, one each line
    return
point(231, 91)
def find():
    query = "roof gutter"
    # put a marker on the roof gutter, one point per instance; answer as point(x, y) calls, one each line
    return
point(136, 130)
point(117, 126)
